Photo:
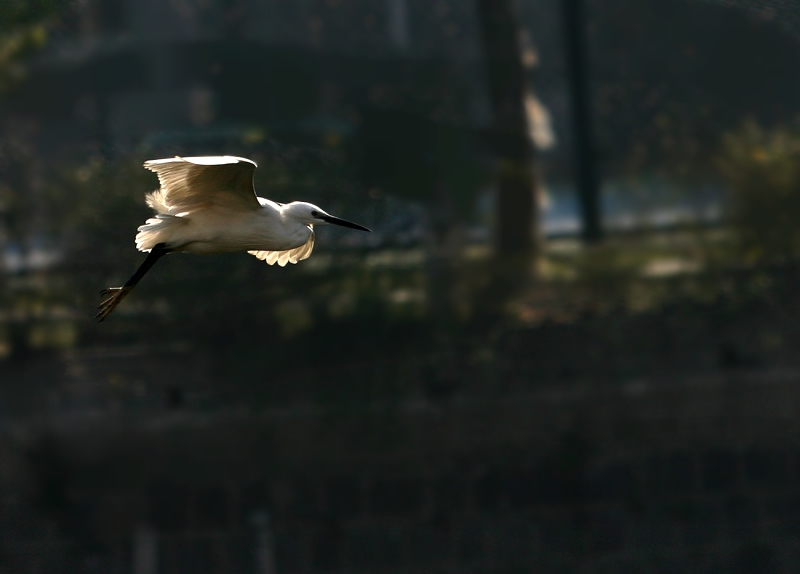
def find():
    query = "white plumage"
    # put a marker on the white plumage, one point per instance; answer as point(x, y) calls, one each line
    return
point(208, 205)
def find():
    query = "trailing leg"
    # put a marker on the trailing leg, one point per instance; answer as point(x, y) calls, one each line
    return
point(117, 294)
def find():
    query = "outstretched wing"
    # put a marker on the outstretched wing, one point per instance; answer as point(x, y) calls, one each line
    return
point(192, 183)
point(288, 256)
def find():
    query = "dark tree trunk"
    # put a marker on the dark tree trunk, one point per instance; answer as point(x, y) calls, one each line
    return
point(586, 173)
point(233, 18)
point(517, 217)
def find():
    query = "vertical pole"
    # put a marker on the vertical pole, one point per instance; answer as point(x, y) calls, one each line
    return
point(264, 551)
point(581, 101)
point(398, 23)
point(145, 550)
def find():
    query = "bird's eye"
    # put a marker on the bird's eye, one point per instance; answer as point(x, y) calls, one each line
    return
point(315, 214)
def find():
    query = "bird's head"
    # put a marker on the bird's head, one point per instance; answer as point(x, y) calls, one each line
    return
point(310, 214)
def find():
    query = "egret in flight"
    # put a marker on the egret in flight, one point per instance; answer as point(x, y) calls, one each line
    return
point(209, 205)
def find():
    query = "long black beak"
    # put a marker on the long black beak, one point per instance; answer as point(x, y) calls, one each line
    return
point(343, 223)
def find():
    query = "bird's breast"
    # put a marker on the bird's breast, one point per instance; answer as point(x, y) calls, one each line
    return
point(216, 233)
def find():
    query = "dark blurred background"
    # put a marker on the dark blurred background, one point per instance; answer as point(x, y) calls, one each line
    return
point(569, 345)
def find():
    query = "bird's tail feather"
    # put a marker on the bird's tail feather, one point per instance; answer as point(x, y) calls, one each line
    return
point(156, 230)
point(157, 201)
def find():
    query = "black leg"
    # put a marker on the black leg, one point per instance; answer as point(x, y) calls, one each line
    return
point(117, 294)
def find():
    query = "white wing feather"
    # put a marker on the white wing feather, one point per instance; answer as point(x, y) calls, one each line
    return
point(192, 183)
point(288, 256)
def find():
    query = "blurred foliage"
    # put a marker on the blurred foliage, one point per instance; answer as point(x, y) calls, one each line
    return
point(605, 273)
point(414, 157)
point(669, 78)
point(762, 168)
point(24, 26)
point(413, 144)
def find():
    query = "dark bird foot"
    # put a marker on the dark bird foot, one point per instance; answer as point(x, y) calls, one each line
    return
point(113, 296)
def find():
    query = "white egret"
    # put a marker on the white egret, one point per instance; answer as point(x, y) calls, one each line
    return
point(208, 205)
